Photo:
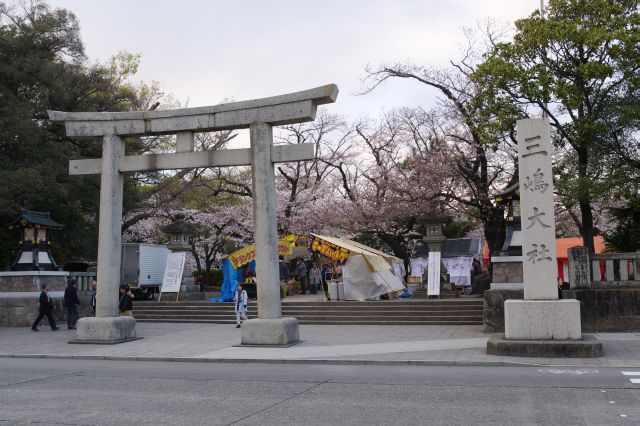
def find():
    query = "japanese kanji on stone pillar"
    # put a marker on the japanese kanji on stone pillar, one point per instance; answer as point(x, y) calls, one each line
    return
point(540, 315)
point(259, 115)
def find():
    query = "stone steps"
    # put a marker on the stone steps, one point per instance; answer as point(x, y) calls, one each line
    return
point(431, 302)
point(320, 307)
point(328, 322)
point(302, 318)
point(424, 312)
point(299, 312)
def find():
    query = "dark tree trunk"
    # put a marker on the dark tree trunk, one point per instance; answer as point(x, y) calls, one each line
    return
point(587, 226)
point(584, 198)
point(495, 229)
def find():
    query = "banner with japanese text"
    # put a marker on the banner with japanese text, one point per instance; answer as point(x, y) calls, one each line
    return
point(247, 254)
point(329, 250)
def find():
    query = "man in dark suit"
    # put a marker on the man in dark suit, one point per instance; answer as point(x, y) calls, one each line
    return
point(45, 309)
point(71, 302)
point(94, 286)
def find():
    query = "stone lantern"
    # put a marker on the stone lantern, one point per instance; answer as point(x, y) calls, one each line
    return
point(32, 268)
point(179, 233)
point(434, 238)
point(506, 269)
point(34, 252)
point(510, 199)
point(434, 232)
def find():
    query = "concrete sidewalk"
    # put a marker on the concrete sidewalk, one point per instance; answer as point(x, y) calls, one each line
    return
point(322, 344)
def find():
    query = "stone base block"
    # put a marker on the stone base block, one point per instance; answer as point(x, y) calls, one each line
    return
point(280, 331)
point(542, 320)
point(507, 286)
point(102, 342)
point(507, 269)
point(588, 347)
point(493, 312)
point(106, 329)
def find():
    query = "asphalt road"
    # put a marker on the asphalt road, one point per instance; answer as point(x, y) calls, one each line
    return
point(73, 392)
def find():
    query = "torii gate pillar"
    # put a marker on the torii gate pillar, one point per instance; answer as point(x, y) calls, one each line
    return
point(259, 115)
point(270, 328)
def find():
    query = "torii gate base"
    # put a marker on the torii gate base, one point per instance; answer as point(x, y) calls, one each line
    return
point(259, 115)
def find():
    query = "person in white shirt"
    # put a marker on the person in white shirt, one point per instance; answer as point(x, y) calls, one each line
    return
point(240, 303)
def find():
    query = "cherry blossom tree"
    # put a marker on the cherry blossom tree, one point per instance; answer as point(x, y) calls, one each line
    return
point(390, 180)
point(477, 126)
point(302, 185)
point(216, 232)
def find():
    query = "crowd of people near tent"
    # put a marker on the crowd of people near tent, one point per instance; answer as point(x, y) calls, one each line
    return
point(311, 274)
point(364, 273)
point(311, 264)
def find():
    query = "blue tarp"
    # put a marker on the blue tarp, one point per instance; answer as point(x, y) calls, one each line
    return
point(230, 280)
point(405, 293)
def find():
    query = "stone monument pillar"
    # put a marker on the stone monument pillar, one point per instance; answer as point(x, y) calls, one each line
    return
point(540, 325)
point(579, 276)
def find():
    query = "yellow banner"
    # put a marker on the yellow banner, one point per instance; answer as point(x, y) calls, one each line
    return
point(247, 254)
point(329, 250)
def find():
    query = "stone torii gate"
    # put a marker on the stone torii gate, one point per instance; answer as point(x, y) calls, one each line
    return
point(259, 115)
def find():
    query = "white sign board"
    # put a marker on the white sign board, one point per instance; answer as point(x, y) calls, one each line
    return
point(173, 272)
point(433, 284)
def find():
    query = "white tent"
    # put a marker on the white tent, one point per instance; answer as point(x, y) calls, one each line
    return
point(367, 273)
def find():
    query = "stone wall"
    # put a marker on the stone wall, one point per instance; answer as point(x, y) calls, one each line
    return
point(607, 310)
point(601, 310)
point(494, 308)
point(17, 283)
point(22, 311)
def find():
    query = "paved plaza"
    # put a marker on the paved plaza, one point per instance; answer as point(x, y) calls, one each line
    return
point(321, 344)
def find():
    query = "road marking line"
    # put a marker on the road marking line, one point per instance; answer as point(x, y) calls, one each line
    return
point(631, 373)
point(557, 371)
point(635, 380)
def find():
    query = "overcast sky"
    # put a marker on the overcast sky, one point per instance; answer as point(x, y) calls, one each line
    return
point(206, 51)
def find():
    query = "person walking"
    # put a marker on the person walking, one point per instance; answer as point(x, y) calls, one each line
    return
point(125, 304)
point(326, 276)
point(302, 271)
point(326, 273)
point(240, 303)
point(94, 286)
point(71, 303)
point(45, 309)
point(315, 278)
point(284, 275)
